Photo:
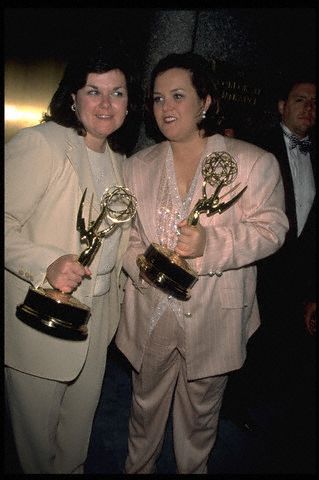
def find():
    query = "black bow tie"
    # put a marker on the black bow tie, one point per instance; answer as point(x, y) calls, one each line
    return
point(303, 145)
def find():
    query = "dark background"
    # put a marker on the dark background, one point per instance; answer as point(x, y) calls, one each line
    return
point(254, 47)
point(58, 33)
point(272, 37)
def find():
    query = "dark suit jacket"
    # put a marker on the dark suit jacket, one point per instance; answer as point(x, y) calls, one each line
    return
point(288, 277)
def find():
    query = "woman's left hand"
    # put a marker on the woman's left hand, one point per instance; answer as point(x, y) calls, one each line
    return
point(191, 240)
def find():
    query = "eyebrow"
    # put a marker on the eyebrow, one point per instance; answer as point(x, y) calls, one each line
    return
point(171, 91)
point(94, 86)
point(304, 95)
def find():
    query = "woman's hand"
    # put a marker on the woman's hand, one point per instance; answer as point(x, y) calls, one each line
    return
point(191, 240)
point(66, 273)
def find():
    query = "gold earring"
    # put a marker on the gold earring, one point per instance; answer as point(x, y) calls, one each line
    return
point(73, 107)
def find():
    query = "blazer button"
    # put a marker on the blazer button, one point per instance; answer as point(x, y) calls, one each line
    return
point(188, 314)
point(218, 273)
point(211, 274)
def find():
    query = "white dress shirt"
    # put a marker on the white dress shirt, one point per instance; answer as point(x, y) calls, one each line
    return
point(303, 181)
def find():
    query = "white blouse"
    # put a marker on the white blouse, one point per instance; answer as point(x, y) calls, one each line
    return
point(104, 177)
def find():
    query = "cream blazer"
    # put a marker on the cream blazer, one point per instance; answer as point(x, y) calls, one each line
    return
point(222, 312)
point(46, 172)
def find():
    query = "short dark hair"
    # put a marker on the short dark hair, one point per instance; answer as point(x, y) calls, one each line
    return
point(203, 81)
point(287, 83)
point(103, 59)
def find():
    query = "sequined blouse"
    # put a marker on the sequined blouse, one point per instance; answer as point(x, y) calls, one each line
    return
point(171, 209)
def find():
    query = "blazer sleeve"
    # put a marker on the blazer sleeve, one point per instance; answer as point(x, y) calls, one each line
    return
point(29, 168)
point(257, 222)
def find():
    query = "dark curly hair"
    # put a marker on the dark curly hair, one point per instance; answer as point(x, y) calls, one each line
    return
point(203, 82)
point(103, 59)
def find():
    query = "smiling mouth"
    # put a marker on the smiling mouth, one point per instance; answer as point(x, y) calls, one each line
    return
point(169, 119)
point(103, 117)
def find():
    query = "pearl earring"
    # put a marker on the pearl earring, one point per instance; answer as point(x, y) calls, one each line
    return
point(204, 114)
point(73, 107)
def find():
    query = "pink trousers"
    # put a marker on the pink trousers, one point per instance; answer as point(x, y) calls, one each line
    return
point(196, 404)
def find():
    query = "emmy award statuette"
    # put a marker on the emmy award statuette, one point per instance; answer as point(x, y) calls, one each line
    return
point(60, 314)
point(162, 267)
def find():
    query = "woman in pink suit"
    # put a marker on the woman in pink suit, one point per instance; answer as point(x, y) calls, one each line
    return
point(181, 351)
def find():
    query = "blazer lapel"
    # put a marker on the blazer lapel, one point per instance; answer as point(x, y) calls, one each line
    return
point(148, 177)
point(280, 151)
point(214, 144)
point(77, 155)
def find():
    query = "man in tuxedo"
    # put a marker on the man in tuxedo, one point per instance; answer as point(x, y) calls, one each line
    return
point(286, 280)
point(281, 354)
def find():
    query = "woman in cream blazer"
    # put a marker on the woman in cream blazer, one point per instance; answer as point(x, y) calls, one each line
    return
point(53, 384)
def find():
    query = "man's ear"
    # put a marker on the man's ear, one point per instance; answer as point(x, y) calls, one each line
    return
point(281, 106)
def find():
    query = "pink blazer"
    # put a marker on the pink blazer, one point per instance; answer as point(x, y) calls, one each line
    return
point(222, 312)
